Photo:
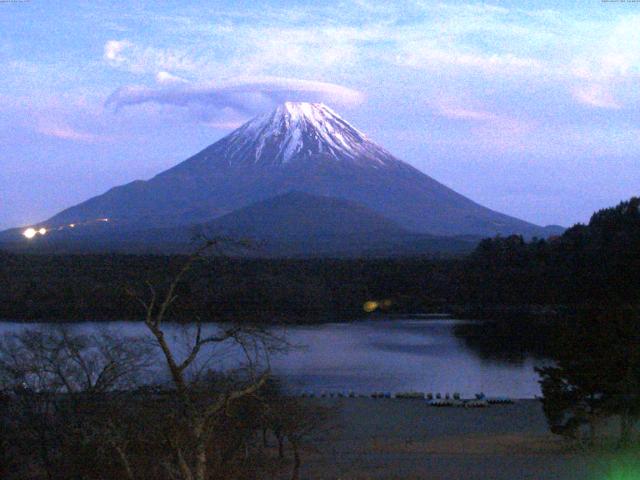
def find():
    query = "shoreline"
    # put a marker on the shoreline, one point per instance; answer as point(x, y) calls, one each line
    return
point(394, 439)
point(453, 315)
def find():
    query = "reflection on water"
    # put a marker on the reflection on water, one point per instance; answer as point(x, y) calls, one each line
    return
point(400, 355)
point(508, 341)
point(386, 355)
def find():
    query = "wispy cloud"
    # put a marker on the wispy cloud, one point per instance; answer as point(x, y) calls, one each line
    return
point(245, 95)
point(113, 51)
point(455, 112)
point(537, 46)
point(166, 78)
point(224, 125)
point(129, 56)
point(596, 95)
point(419, 55)
point(65, 132)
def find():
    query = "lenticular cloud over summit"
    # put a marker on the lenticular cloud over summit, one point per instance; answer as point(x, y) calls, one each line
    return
point(248, 95)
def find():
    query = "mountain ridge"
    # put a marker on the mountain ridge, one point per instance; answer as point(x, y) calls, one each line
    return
point(297, 147)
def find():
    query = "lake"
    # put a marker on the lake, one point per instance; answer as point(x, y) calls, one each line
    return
point(391, 355)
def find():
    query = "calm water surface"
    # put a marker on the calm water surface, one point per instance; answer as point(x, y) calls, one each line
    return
point(368, 356)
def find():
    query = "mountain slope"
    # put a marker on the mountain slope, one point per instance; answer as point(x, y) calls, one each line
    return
point(295, 224)
point(298, 215)
point(302, 147)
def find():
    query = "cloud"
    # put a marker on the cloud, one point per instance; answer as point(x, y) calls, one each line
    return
point(166, 78)
point(58, 116)
point(132, 57)
point(113, 51)
point(455, 112)
point(595, 95)
point(446, 40)
point(224, 125)
point(419, 55)
point(65, 132)
point(244, 95)
point(607, 73)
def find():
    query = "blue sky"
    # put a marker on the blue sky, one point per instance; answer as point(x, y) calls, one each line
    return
point(530, 108)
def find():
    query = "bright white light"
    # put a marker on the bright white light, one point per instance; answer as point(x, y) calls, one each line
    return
point(29, 232)
point(42, 231)
point(72, 225)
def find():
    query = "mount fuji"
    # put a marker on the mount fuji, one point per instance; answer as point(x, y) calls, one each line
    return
point(298, 147)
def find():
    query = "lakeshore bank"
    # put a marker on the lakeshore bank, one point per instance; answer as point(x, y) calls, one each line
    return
point(408, 439)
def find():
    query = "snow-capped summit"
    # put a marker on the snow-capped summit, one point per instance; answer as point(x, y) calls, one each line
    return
point(298, 131)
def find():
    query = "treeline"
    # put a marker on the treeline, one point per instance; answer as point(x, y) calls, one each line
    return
point(589, 265)
point(592, 264)
point(101, 287)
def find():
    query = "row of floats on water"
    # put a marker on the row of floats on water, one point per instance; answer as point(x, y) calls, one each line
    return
point(435, 400)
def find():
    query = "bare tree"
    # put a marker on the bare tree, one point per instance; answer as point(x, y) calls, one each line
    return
point(49, 376)
point(199, 401)
point(54, 359)
point(300, 423)
point(87, 405)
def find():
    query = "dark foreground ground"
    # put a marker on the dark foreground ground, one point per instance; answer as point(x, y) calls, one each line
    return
point(407, 439)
